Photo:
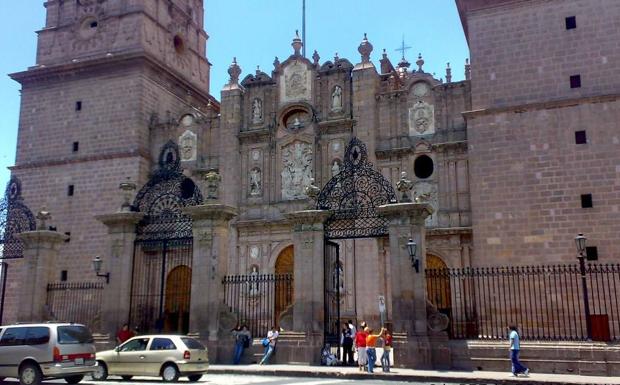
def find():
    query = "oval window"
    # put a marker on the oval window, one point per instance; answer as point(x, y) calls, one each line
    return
point(423, 166)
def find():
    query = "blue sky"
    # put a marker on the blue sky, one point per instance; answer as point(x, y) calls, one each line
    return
point(255, 31)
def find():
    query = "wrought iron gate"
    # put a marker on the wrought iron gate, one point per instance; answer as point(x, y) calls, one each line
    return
point(333, 269)
point(162, 262)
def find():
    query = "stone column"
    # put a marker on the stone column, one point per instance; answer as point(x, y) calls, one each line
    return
point(211, 230)
point(308, 301)
point(119, 263)
point(406, 220)
point(40, 252)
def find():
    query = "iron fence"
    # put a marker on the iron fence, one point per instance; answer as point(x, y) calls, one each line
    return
point(544, 302)
point(78, 302)
point(258, 300)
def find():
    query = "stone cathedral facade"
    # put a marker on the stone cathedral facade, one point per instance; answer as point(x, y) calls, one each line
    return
point(120, 95)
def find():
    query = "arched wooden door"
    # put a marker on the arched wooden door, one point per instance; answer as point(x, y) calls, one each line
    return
point(438, 287)
point(176, 309)
point(284, 288)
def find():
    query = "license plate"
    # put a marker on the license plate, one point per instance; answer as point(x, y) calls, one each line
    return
point(79, 361)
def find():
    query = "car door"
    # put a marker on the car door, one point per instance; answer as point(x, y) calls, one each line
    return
point(162, 349)
point(11, 350)
point(130, 357)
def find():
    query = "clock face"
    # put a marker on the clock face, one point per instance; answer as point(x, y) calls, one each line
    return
point(420, 89)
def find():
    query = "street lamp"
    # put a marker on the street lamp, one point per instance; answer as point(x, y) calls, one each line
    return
point(415, 262)
point(97, 262)
point(580, 242)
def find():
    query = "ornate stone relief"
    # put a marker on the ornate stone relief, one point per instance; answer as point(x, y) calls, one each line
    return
point(296, 83)
point(256, 155)
point(257, 111)
point(188, 143)
point(254, 252)
point(337, 99)
point(296, 170)
point(427, 192)
point(421, 119)
point(256, 183)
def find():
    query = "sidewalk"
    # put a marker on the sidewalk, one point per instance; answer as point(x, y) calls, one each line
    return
point(476, 377)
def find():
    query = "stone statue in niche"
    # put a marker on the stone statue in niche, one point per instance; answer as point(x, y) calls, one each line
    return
point(254, 252)
point(255, 182)
point(188, 142)
point(296, 170)
point(253, 281)
point(335, 168)
point(337, 99)
point(421, 119)
point(426, 192)
point(257, 111)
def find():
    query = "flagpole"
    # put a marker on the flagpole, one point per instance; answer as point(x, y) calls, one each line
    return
point(303, 28)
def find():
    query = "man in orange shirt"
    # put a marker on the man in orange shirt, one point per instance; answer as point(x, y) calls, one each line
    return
point(371, 344)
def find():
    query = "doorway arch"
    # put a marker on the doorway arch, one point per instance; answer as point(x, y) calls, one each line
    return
point(176, 309)
point(438, 287)
point(285, 267)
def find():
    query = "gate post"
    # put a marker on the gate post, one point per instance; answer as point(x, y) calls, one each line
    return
point(117, 294)
point(406, 220)
point(40, 250)
point(211, 231)
point(308, 301)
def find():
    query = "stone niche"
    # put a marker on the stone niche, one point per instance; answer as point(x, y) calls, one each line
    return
point(296, 169)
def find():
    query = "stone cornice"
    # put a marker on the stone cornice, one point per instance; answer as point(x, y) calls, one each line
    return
point(336, 126)
point(548, 105)
point(82, 159)
point(120, 219)
point(308, 217)
point(42, 237)
point(215, 211)
point(253, 136)
point(417, 211)
point(449, 231)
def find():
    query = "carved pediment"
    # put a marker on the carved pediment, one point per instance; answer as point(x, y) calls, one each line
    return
point(340, 64)
point(257, 79)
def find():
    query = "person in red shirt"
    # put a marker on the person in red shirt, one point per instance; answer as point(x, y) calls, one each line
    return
point(124, 334)
point(360, 346)
point(387, 347)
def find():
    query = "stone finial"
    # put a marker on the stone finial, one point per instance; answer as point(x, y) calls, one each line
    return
point(404, 185)
point(403, 64)
point(312, 191)
point(234, 71)
point(257, 70)
point(384, 54)
point(365, 49)
point(212, 181)
point(420, 63)
point(467, 70)
point(316, 58)
point(127, 188)
point(297, 44)
point(336, 57)
point(42, 217)
point(276, 63)
point(448, 73)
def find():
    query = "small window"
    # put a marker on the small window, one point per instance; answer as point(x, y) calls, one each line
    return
point(70, 190)
point(13, 336)
point(575, 81)
point(191, 343)
point(586, 201)
point(580, 137)
point(37, 335)
point(78, 105)
point(68, 234)
point(162, 344)
point(76, 146)
point(591, 253)
point(93, 24)
point(571, 22)
point(63, 275)
point(423, 166)
point(135, 345)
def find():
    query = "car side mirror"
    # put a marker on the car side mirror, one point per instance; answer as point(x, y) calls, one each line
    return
point(117, 349)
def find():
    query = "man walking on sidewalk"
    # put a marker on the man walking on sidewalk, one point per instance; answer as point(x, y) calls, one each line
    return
point(515, 347)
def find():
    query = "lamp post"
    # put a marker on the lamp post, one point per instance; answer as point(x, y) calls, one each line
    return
point(97, 262)
point(412, 247)
point(580, 242)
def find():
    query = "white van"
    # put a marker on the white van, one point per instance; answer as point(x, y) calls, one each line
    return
point(33, 352)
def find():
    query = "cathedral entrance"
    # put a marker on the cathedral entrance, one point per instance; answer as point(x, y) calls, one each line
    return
point(284, 290)
point(162, 262)
point(438, 288)
point(353, 194)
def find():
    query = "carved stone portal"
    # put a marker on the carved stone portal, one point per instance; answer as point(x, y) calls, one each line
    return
point(296, 170)
point(188, 142)
point(421, 119)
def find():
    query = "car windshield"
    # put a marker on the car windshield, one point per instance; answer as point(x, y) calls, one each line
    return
point(192, 343)
point(74, 334)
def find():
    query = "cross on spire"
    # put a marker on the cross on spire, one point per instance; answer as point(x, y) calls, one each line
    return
point(403, 47)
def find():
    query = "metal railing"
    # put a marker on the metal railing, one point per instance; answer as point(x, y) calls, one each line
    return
point(258, 300)
point(544, 302)
point(78, 302)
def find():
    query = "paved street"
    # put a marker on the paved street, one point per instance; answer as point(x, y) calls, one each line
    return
point(223, 379)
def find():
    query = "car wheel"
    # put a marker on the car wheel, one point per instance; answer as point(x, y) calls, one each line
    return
point(126, 378)
point(195, 377)
point(101, 372)
point(74, 379)
point(30, 374)
point(170, 373)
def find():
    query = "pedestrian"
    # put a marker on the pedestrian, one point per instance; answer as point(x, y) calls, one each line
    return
point(371, 345)
point(387, 348)
point(327, 357)
point(242, 337)
point(346, 340)
point(515, 347)
point(360, 346)
point(124, 334)
point(270, 344)
point(352, 327)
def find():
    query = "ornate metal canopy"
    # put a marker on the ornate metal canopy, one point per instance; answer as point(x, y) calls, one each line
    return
point(353, 195)
point(163, 196)
point(15, 217)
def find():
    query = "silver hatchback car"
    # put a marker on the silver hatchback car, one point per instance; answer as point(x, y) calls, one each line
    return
point(32, 352)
